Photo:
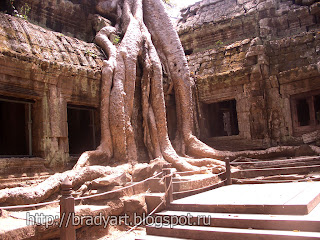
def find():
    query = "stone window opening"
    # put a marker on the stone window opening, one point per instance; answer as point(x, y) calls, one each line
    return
point(81, 129)
point(222, 119)
point(15, 127)
point(306, 112)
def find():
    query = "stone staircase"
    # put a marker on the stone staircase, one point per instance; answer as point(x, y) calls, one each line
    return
point(22, 172)
point(184, 184)
point(280, 211)
point(277, 170)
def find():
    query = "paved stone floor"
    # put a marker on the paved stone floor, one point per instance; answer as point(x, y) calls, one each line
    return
point(288, 198)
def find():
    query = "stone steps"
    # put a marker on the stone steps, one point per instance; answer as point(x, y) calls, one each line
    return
point(182, 186)
point(294, 162)
point(158, 238)
point(285, 211)
point(21, 165)
point(215, 233)
point(253, 173)
point(23, 181)
point(193, 182)
point(244, 221)
point(275, 198)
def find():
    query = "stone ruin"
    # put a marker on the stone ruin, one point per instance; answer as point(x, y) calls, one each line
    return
point(256, 66)
point(49, 87)
point(257, 70)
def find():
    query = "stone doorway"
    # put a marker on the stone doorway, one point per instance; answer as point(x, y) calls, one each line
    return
point(222, 119)
point(15, 127)
point(81, 129)
point(306, 112)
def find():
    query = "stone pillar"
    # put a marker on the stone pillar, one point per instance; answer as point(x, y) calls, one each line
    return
point(256, 57)
point(55, 128)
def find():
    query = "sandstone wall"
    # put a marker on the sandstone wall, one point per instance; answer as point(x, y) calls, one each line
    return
point(70, 17)
point(52, 70)
point(259, 53)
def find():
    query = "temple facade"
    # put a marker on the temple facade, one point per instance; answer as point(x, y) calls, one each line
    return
point(257, 69)
point(50, 76)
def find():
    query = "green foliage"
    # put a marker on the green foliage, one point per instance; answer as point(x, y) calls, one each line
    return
point(116, 39)
point(169, 3)
point(90, 53)
point(24, 10)
point(219, 43)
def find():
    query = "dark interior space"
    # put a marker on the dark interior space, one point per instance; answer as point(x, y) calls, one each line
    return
point(303, 112)
point(6, 6)
point(316, 102)
point(13, 128)
point(188, 51)
point(171, 113)
point(222, 119)
point(81, 129)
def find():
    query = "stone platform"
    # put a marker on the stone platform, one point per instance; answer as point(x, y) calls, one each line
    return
point(298, 198)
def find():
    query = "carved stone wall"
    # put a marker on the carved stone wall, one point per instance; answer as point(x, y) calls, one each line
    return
point(70, 17)
point(50, 70)
point(260, 53)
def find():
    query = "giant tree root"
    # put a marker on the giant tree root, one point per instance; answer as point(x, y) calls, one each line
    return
point(43, 190)
point(81, 175)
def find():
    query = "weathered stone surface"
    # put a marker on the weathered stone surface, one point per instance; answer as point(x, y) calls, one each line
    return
point(117, 179)
point(259, 53)
point(24, 40)
point(311, 137)
point(134, 205)
point(51, 70)
point(62, 16)
point(145, 170)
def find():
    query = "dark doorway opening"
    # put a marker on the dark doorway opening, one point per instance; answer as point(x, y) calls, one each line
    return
point(317, 108)
point(306, 112)
point(303, 112)
point(223, 120)
point(15, 127)
point(81, 129)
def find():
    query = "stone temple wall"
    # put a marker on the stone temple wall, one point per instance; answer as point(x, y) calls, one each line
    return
point(49, 71)
point(70, 17)
point(265, 55)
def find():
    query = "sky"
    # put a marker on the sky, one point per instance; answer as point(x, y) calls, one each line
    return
point(179, 4)
point(183, 3)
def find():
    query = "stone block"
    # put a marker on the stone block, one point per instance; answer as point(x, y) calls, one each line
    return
point(116, 179)
point(308, 20)
point(63, 144)
point(315, 8)
point(274, 81)
point(153, 200)
point(250, 5)
point(241, 2)
point(242, 106)
point(267, 5)
point(263, 59)
point(311, 137)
